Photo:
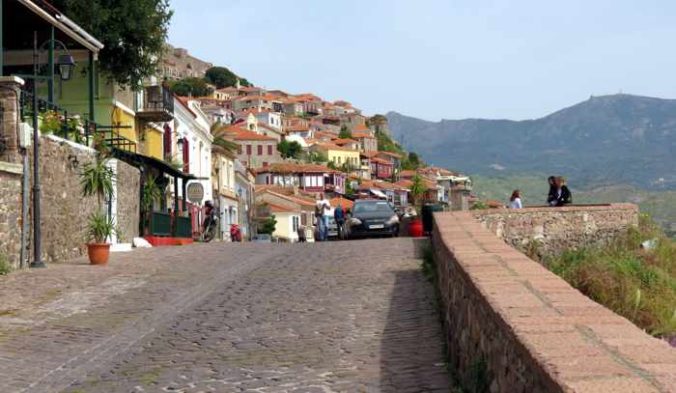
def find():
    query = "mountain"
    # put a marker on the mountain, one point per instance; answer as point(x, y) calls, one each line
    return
point(604, 141)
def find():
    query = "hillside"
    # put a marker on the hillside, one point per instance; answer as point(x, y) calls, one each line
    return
point(608, 140)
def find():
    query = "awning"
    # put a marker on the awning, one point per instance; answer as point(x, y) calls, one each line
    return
point(378, 193)
point(138, 160)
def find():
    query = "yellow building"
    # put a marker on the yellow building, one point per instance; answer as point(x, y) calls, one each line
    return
point(339, 156)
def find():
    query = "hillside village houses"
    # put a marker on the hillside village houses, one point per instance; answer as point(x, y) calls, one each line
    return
point(168, 141)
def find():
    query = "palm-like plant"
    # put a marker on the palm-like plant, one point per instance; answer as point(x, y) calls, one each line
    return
point(151, 193)
point(97, 179)
point(417, 190)
point(221, 143)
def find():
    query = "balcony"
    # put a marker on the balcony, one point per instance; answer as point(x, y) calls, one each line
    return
point(158, 104)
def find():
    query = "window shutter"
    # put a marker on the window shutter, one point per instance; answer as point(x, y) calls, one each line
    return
point(167, 142)
point(186, 155)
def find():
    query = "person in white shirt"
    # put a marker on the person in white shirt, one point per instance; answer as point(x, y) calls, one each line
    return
point(322, 212)
point(515, 200)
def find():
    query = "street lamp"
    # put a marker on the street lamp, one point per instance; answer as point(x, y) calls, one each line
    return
point(66, 63)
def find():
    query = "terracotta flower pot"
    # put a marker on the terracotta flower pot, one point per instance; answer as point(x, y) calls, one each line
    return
point(415, 227)
point(98, 253)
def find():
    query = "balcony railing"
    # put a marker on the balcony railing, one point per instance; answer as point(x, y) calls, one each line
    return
point(57, 121)
point(158, 104)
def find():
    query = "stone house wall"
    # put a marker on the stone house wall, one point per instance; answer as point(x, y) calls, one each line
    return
point(128, 201)
point(10, 212)
point(512, 326)
point(550, 230)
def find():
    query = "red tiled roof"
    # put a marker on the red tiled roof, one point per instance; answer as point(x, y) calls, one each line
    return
point(368, 154)
point(381, 161)
point(345, 203)
point(360, 128)
point(343, 141)
point(288, 167)
point(330, 146)
point(361, 135)
point(242, 134)
point(280, 209)
point(389, 153)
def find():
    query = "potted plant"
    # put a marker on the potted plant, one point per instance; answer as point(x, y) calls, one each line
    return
point(97, 180)
point(415, 226)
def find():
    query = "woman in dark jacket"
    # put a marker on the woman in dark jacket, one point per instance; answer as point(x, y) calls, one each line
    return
point(551, 195)
point(562, 195)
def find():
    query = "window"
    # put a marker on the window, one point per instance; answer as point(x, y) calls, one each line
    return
point(295, 223)
point(248, 150)
point(260, 150)
point(269, 150)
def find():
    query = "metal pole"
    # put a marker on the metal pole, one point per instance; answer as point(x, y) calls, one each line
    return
point(91, 86)
point(174, 229)
point(2, 49)
point(37, 244)
point(50, 82)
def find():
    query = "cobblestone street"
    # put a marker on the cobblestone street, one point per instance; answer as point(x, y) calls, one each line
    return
point(333, 317)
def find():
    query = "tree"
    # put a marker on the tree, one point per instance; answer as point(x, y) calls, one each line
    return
point(268, 225)
point(318, 157)
point(345, 132)
point(291, 149)
point(417, 190)
point(412, 161)
point(194, 87)
point(133, 34)
point(221, 144)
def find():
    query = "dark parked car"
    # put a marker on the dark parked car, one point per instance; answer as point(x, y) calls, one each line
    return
point(372, 218)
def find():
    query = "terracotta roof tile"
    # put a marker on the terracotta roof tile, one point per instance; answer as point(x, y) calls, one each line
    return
point(288, 167)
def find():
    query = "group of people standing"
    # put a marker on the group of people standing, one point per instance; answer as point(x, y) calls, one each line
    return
point(323, 214)
point(559, 194)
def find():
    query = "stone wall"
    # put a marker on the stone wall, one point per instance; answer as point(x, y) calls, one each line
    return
point(512, 326)
point(548, 230)
point(128, 197)
point(64, 212)
point(10, 212)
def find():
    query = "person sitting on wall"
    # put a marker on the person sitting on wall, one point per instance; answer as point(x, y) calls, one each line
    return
point(515, 200)
point(562, 195)
point(551, 194)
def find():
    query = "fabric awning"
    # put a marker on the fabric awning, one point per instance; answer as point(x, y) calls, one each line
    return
point(138, 160)
point(378, 193)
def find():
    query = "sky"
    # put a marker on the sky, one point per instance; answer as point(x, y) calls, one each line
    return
point(439, 59)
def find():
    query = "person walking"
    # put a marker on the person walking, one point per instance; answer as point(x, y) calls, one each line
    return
point(562, 195)
point(515, 200)
point(322, 209)
point(339, 216)
point(551, 194)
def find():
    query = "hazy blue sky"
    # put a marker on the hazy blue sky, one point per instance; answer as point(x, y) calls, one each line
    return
point(440, 58)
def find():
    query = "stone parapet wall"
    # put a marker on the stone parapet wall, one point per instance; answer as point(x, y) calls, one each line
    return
point(551, 230)
point(64, 211)
point(512, 326)
point(10, 212)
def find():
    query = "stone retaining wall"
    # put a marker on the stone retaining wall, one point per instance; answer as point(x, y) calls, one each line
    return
point(64, 212)
point(551, 230)
point(10, 212)
point(512, 326)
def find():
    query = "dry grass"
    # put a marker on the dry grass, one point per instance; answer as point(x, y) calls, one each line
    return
point(636, 283)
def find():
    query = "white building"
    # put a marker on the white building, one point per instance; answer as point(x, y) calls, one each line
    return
point(193, 142)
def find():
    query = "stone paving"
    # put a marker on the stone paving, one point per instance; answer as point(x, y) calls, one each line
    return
point(331, 317)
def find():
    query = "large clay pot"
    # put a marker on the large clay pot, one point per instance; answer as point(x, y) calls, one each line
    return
point(98, 253)
point(415, 227)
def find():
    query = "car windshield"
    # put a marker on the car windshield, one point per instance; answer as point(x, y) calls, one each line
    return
point(372, 207)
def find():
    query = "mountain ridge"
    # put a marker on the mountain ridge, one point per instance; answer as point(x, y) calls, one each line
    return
point(613, 139)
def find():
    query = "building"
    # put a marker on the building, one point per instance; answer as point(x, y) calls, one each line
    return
point(367, 142)
point(255, 150)
point(223, 180)
point(339, 156)
point(381, 169)
point(244, 186)
point(309, 178)
point(291, 210)
point(177, 63)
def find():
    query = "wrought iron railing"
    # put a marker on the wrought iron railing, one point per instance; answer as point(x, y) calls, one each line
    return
point(183, 227)
point(58, 121)
point(160, 224)
point(158, 104)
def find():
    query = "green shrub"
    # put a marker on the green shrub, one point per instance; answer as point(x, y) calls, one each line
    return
point(5, 267)
point(637, 283)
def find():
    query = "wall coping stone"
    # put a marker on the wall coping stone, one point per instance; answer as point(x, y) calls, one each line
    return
point(11, 79)
point(568, 208)
point(10, 167)
point(563, 337)
point(70, 143)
